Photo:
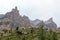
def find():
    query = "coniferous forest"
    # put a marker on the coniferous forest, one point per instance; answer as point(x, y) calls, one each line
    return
point(30, 34)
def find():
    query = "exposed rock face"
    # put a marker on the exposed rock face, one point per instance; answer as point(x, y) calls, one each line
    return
point(51, 24)
point(1, 16)
point(23, 21)
point(36, 23)
point(48, 24)
point(16, 19)
point(13, 15)
point(40, 24)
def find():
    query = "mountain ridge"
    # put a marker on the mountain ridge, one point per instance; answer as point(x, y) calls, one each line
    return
point(24, 21)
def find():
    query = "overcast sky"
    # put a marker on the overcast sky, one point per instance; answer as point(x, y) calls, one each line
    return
point(34, 9)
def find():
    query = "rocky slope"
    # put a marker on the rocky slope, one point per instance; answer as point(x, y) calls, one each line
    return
point(50, 24)
point(16, 19)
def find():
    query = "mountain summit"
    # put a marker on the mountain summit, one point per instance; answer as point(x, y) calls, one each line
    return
point(13, 17)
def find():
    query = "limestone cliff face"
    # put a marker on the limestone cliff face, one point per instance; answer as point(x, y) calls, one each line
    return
point(16, 18)
point(23, 21)
point(36, 23)
point(50, 23)
point(13, 15)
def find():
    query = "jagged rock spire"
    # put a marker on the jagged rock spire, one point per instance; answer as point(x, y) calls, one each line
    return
point(51, 19)
point(16, 7)
point(15, 10)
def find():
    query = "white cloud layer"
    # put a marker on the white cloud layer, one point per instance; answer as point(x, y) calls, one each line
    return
point(41, 9)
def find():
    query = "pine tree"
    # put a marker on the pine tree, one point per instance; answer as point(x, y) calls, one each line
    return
point(32, 30)
point(41, 34)
point(54, 36)
point(24, 38)
point(17, 28)
point(50, 33)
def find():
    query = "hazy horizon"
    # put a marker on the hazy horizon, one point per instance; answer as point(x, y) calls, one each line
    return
point(34, 9)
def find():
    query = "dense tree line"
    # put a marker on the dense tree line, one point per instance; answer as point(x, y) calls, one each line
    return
point(40, 33)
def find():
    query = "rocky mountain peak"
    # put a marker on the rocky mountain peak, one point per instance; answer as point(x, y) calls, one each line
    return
point(24, 21)
point(50, 23)
point(15, 9)
point(50, 20)
point(16, 18)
